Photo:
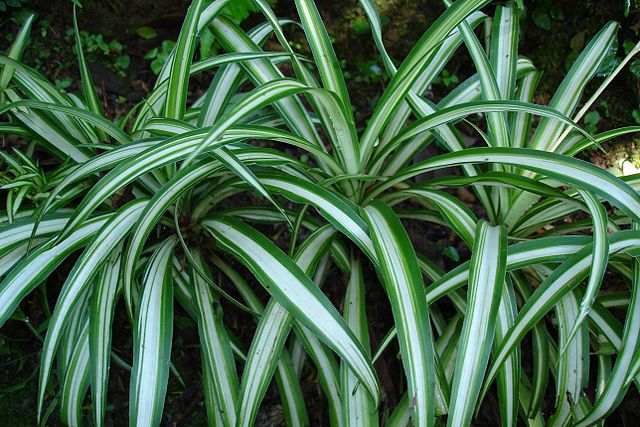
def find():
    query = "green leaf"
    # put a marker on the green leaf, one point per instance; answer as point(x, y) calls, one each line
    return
point(461, 110)
point(573, 363)
point(600, 258)
point(152, 340)
point(295, 291)
point(216, 347)
point(521, 122)
point(497, 179)
point(403, 283)
point(358, 409)
point(30, 271)
point(15, 52)
point(79, 279)
point(338, 210)
point(537, 251)
point(561, 281)
point(411, 69)
point(570, 91)
point(123, 62)
point(509, 376)
point(504, 49)
point(181, 63)
point(103, 302)
point(566, 169)
point(288, 382)
point(272, 332)
point(232, 38)
point(540, 354)
point(622, 372)
point(89, 117)
point(227, 158)
point(486, 281)
point(323, 53)
point(146, 33)
point(455, 213)
point(88, 88)
point(76, 380)
point(497, 123)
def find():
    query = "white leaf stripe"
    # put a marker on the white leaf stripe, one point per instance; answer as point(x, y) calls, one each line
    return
point(232, 38)
point(323, 53)
point(213, 410)
point(461, 110)
point(188, 141)
point(600, 257)
point(295, 291)
point(509, 375)
point(37, 124)
point(76, 380)
point(540, 356)
point(617, 382)
point(403, 282)
point(205, 17)
point(78, 280)
point(411, 68)
point(37, 88)
point(76, 321)
point(26, 275)
point(88, 116)
point(18, 232)
point(88, 89)
point(497, 123)
point(357, 405)
point(549, 249)
point(497, 179)
point(216, 347)
point(566, 169)
point(158, 95)
point(101, 314)
point(152, 340)
point(521, 122)
point(486, 280)
point(161, 154)
point(456, 214)
point(321, 356)
point(231, 162)
point(11, 257)
point(152, 213)
point(504, 49)
point(267, 343)
point(338, 210)
point(181, 62)
point(342, 130)
point(567, 96)
point(563, 279)
point(569, 373)
point(291, 395)
point(16, 50)
point(318, 352)
point(325, 362)
point(160, 203)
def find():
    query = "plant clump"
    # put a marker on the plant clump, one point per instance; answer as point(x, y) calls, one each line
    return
point(258, 216)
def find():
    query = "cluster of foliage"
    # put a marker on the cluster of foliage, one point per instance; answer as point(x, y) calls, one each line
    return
point(54, 54)
point(148, 206)
point(95, 44)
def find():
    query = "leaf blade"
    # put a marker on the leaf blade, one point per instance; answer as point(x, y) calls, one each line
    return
point(400, 273)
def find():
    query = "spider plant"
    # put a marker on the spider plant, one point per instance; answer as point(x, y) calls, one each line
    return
point(151, 204)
